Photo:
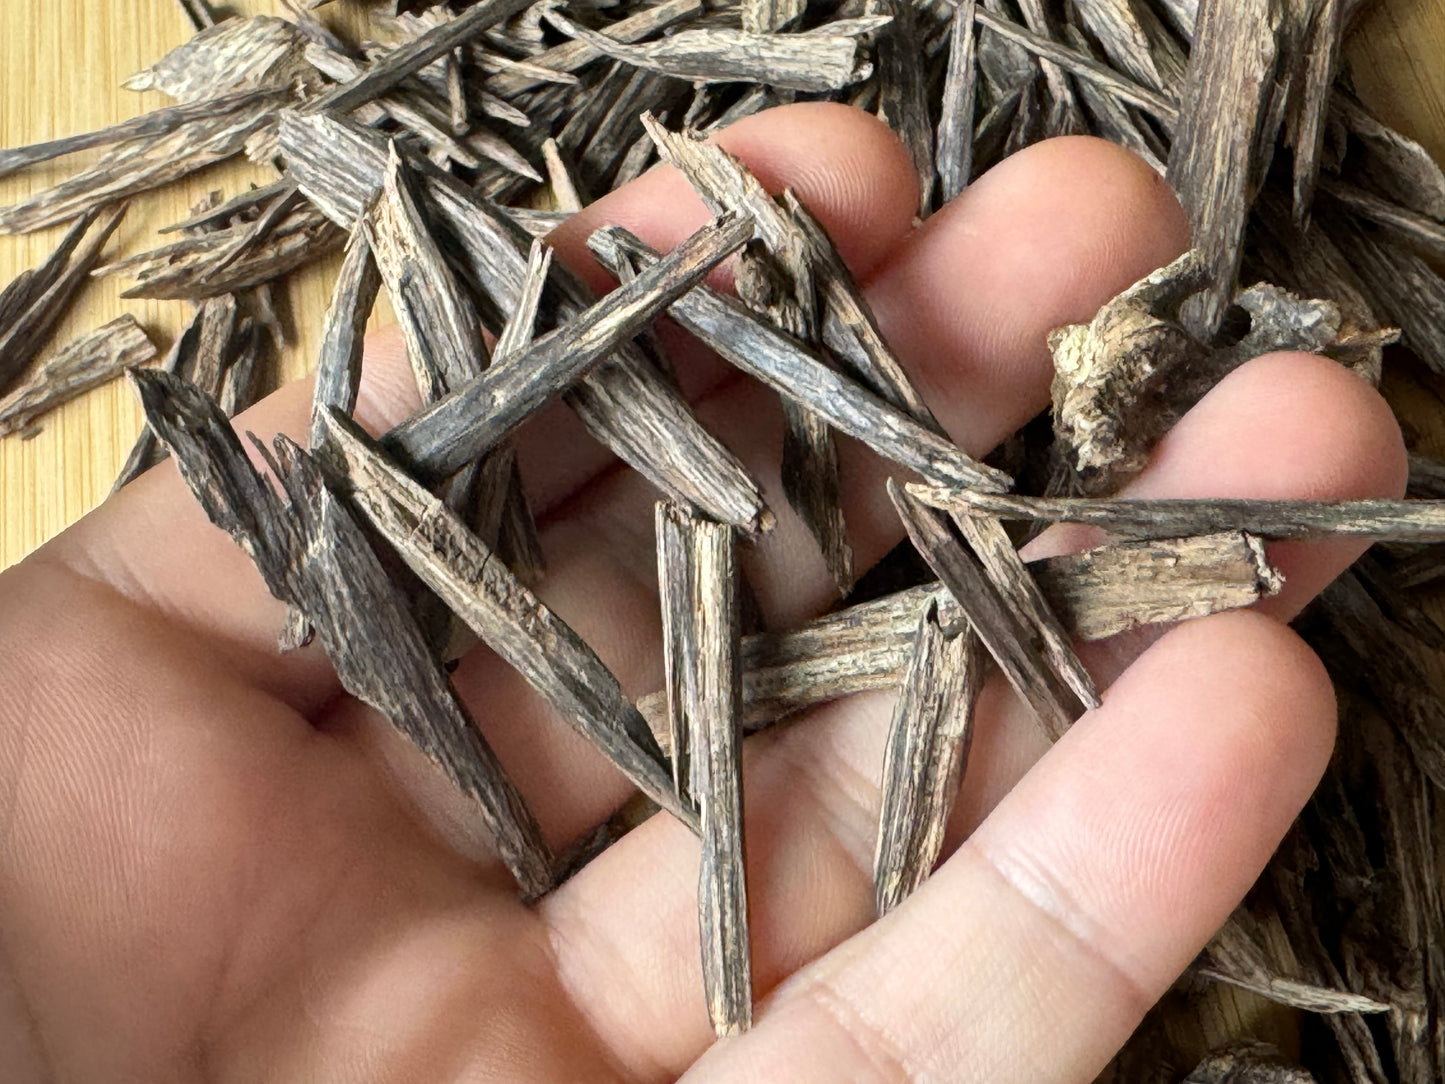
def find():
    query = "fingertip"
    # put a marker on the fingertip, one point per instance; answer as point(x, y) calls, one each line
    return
point(1353, 418)
point(1041, 240)
point(1286, 426)
point(1242, 725)
point(845, 165)
point(1133, 187)
point(1288, 736)
point(1147, 823)
point(1315, 690)
point(1253, 720)
point(1320, 430)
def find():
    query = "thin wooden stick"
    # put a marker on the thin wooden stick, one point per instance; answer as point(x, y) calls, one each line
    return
point(954, 159)
point(230, 260)
point(343, 338)
point(254, 235)
point(314, 556)
point(1421, 232)
point(999, 629)
point(1382, 520)
point(674, 585)
point(499, 608)
point(1125, 585)
point(402, 63)
point(815, 62)
point(157, 123)
point(241, 381)
point(1387, 666)
point(515, 527)
point(199, 13)
point(465, 424)
point(991, 544)
point(62, 278)
point(22, 294)
point(148, 450)
point(1097, 594)
point(520, 328)
point(573, 55)
point(1123, 88)
point(141, 165)
point(707, 654)
point(441, 329)
point(925, 758)
point(779, 361)
point(86, 363)
point(1235, 957)
point(561, 180)
point(625, 402)
point(902, 93)
point(770, 16)
point(850, 329)
point(1232, 75)
point(779, 287)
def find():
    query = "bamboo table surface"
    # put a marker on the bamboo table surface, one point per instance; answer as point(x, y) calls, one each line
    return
point(61, 66)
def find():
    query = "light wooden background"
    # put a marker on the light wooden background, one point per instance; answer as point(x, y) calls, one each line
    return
point(61, 66)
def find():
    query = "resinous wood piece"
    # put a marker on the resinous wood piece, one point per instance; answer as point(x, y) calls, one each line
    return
point(313, 555)
point(925, 757)
point(499, 608)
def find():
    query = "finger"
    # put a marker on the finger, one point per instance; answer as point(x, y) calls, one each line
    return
point(812, 787)
point(1041, 249)
point(1277, 427)
point(847, 162)
point(976, 343)
point(1281, 426)
point(152, 543)
point(846, 165)
point(1037, 948)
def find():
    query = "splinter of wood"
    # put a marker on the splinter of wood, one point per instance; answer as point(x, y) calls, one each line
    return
point(312, 554)
point(473, 419)
point(499, 608)
point(701, 599)
point(1382, 520)
point(925, 757)
point(995, 623)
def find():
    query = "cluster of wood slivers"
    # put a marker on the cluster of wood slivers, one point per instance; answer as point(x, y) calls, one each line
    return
point(424, 159)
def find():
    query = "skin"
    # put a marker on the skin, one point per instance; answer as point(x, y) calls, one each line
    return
point(216, 866)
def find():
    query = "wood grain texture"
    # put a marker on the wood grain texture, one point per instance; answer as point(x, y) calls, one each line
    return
point(61, 66)
point(1390, 56)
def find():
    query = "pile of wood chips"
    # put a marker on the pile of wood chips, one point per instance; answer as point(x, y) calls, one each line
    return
point(427, 160)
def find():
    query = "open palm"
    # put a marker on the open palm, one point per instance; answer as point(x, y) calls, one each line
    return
point(216, 866)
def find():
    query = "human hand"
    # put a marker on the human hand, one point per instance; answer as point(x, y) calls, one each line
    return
point(218, 866)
